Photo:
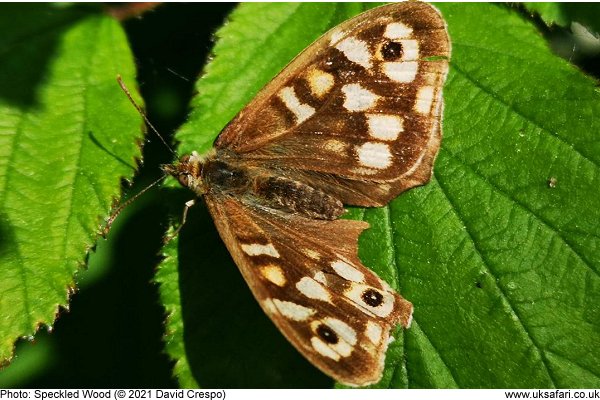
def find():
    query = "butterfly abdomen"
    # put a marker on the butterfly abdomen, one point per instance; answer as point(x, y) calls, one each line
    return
point(263, 187)
point(296, 197)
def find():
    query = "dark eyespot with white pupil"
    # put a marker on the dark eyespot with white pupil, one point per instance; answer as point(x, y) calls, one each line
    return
point(327, 334)
point(372, 297)
point(391, 51)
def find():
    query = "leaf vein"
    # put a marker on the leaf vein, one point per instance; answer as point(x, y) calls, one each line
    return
point(488, 267)
point(78, 163)
point(16, 249)
point(439, 354)
point(584, 260)
point(574, 362)
point(521, 114)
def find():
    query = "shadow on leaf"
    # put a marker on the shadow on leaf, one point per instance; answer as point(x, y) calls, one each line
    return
point(31, 35)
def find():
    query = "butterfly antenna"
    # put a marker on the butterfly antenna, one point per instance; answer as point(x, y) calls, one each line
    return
point(115, 214)
point(143, 114)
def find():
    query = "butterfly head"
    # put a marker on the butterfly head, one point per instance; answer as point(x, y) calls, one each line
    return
point(188, 171)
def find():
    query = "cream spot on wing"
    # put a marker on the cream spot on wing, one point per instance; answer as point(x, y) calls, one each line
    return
point(373, 332)
point(347, 271)
point(320, 82)
point(364, 171)
point(410, 50)
point(315, 255)
point(320, 277)
point(313, 289)
point(374, 155)
point(293, 311)
point(358, 98)
point(323, 349)
point(385, 187)
point(336, 36)
point(403, 72)
point(301, 111)
point(334, 146)
point(356, 51)
point(269, 306)
point(424, 99)
point(369, 348)
point(345, 334)
point(355, 293)
point(397, 30)
point(385, 126)
point(274, 274)
point(260, 249)
point(342, 348)
point(343, 330)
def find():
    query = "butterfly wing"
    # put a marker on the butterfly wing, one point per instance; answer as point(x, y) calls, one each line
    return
point(357, 114)
point(307, 278)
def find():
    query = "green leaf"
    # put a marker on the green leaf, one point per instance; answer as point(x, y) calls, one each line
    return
point(551, 13)
point(170, 297)
point(563, 14)
point(516, 117)
point(499, 253)
point(67, 137)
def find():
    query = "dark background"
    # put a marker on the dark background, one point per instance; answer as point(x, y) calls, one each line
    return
point(111, 335)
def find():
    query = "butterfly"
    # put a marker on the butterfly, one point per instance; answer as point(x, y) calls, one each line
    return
point(354, 119)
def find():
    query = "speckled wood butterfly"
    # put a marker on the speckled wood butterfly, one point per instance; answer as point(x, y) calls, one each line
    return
point(354, 119)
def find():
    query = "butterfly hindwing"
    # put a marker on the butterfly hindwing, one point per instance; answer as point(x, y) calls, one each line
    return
point(362, 104)
point(306, 276)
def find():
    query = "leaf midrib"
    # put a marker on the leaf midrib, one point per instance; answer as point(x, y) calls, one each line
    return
point(84, 123)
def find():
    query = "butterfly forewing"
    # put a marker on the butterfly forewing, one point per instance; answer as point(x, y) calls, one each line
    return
point(362, 104)
point(354, 119)
point(306, 276)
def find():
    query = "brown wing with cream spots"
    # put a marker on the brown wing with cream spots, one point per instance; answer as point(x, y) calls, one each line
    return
point(306, 276)
point(358, 113)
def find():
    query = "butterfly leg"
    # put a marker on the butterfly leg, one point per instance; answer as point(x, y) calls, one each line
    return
point(188, 204)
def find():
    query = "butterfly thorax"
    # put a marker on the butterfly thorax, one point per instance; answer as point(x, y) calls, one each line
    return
point(221, 173)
